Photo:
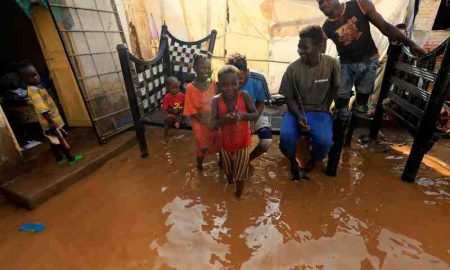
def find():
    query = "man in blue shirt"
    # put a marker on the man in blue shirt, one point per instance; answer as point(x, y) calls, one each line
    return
point(256, 85)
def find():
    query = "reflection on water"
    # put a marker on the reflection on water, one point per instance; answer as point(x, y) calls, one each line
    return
point(314, 233)
point(437, 189)
point(275, 245)
point(161, 213)
point(187, 245)
point(402, 252)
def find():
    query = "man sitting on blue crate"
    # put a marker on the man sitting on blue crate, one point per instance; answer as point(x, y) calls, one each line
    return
point(309, 85)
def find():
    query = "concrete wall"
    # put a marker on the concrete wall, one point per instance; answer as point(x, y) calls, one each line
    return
point(137, 21)
point(424, 22)
point(9, 154)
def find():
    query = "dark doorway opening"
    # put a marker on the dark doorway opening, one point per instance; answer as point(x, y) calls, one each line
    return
point(20, 43)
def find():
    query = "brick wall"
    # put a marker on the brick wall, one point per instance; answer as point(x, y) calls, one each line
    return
point(424, 22)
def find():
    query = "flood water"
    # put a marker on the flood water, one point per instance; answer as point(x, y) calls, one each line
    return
point(161, 213)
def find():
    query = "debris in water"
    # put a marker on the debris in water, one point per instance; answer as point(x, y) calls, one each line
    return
point(32, 227)
point(364, 139)
point(394, 157)
point(272, 175)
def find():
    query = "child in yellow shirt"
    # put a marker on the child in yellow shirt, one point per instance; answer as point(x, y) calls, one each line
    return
point(47, 114)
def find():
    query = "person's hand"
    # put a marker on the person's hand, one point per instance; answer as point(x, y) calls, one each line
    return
point(63, 132)
point(232, 116)
point(252, 126)
point(208, 123)
point(344, 115)
point(177, 125)
point(239, 115)
point(416, 49)
point(303, 126)
point(52, 126)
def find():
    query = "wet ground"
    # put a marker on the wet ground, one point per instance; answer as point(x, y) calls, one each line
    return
point(161, 213)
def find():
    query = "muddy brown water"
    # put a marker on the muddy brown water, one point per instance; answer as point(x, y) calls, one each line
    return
point(161, 213)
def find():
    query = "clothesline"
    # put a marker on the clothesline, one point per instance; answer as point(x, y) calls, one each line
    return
point(255, 60)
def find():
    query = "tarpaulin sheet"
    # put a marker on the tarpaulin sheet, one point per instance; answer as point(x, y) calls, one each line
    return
point(264, 30)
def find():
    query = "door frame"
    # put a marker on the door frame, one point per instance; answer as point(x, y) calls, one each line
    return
point(58, 64)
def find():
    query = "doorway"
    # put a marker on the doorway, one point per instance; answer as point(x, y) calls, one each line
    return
point(36, 40)
point(20, 43)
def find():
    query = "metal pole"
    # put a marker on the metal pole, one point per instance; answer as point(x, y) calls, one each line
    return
point(347, 136)
point(163, 32)
point(425, 138)
point(339, 128)
point(212, 41)
point(208, 17)
point(227, 17)
point(393, 54)
point(122, 50)
point(166, 58)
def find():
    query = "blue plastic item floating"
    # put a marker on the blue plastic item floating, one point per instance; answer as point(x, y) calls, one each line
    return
point(32, 227)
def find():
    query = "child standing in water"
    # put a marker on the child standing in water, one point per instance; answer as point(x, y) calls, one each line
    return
point(173, 104)
point(232, 111)
point(198, 98)
point(48, 114)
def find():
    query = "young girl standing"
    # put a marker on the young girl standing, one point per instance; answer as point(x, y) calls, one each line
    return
point(232, 111)
point(197, 106)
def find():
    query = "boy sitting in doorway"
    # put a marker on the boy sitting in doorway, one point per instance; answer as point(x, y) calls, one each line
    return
point(48, 114)
point(173, 104)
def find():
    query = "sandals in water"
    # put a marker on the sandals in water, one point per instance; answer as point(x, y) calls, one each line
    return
point(62, 161)
point(299, 174)
point(76, 159)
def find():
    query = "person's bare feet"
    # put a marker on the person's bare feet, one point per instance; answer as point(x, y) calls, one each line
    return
point(310, 165)
point(251, 170)
point(239, 188)
point(200, 163)
point(230, 179)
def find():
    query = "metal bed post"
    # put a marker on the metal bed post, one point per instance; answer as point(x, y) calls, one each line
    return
point(424, 139)
point(124, 58)
point(393, 54)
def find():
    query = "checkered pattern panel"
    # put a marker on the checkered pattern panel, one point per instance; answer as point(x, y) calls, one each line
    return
point(182, 55)
point(275, 117)
point(150, 86)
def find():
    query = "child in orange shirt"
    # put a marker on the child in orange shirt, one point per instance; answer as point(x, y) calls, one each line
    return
point(199, 95)
point(173, 104)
